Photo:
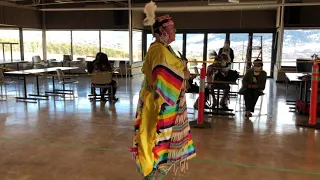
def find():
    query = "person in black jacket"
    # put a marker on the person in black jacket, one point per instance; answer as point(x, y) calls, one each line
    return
point(228, 51)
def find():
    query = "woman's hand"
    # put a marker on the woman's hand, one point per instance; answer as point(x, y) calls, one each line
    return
point(253, 86)
point(186, 74)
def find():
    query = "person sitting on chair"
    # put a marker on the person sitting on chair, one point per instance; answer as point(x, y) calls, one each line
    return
point(253, 84)
point(220, 72)
point(194, 88)
point(102, 65)
point(228, 51)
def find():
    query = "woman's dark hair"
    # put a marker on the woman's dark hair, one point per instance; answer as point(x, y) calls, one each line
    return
point(258, 61)
point(156, 26)
point(103, 62)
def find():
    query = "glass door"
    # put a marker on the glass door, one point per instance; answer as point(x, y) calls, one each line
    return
point(194, 50)
point(266, 49)
point(239, 44)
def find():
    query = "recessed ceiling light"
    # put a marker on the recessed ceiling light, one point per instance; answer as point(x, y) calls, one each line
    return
point(233, 1)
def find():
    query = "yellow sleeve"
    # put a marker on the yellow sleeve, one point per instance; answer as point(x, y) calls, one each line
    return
point(167, 76)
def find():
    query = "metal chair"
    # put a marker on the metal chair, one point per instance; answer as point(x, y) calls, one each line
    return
point(4, 83)
point(102, 80)
point(62, 80)
point(242, 105)
point(116, 68)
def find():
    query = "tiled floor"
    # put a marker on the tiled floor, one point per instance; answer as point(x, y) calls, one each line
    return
point(80, 140)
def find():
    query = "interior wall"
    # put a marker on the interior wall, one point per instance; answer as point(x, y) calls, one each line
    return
point(20, 17)
point(87, 20)
point(137, 18)
point(309, 16)
point(225, 20)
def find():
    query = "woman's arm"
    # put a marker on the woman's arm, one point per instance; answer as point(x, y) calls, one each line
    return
point(245, 80)
point(261, 84)
point(167, 80)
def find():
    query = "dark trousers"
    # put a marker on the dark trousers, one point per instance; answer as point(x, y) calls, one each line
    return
point(251, 97)
point(113, 83)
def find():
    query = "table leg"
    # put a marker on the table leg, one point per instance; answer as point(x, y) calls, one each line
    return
point(287, 86)
point(25, 98)
point(54, 90)
point(38, 91)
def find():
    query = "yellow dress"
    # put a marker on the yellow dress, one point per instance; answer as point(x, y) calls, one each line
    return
point(162, 133)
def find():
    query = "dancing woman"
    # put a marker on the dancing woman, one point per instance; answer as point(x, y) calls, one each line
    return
point(162, 138)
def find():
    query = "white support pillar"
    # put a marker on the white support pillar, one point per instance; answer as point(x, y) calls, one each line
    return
point(44, 37)
point(130, 38)
point(280, 31)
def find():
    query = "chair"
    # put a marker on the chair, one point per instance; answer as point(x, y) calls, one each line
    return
point(196, 71)
point(116, 68)
point(3, 82)
point(36, 62)
point(66, 58)
point(101, 80)
point(62, 80)
point(241, 102)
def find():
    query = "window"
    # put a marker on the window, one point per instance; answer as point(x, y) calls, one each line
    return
point(299, 44)
point(239, 44)
point(85, 43)
point(58, 44)
point(137, 46)
point(32, 44)
point(150, 39)
point(266, 49)
point(215, 42)
point(11, 36)
point(115, 44)
point(194, 48)
point(176, 45)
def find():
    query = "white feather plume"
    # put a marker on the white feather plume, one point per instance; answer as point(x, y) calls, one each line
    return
point(149, 10)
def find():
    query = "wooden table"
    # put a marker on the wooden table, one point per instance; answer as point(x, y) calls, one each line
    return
point(36, 72)
point(211, 83)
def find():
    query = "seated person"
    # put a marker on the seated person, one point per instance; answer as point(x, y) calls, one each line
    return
point(253, 84)
point(219, 71)
point(102, 65)
point(228, 51)
point(194, 88)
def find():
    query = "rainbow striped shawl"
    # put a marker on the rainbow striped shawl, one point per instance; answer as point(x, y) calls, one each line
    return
point(162, 135)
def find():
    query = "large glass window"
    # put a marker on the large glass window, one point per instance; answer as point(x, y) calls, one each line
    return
point(58, 44)
point(176, 45)
point(149, 40)
point(194, 48)
point(11, 36)
point(239, 44)
point(32, 44)
point(115, 44)
point(85, 43)
point(215, 42)
point(299, 44)
point(266, 40)
point(137, 46)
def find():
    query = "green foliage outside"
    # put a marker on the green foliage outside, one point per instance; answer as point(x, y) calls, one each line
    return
point(65, 48)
